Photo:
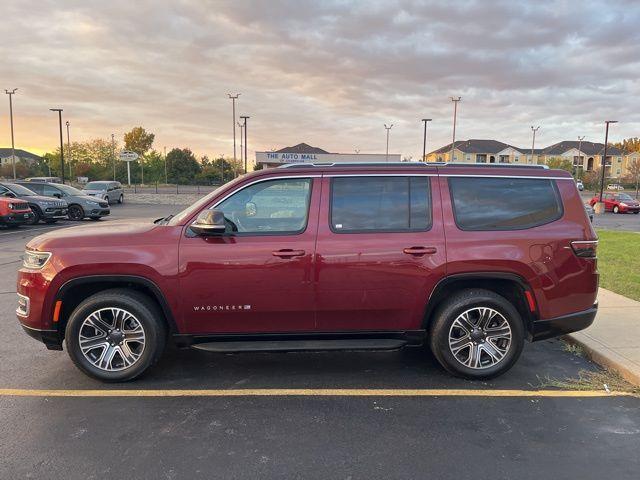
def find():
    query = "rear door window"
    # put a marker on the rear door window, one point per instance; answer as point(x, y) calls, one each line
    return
point(504, 203)
point(380, 204)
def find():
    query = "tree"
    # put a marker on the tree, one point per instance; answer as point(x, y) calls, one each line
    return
point(634, 173)
point(182, 166)
point(138, 140)
point(592, 179)
point(560, 164)
point(629, 145)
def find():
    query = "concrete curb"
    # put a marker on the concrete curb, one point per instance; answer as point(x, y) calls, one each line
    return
point(606, 357)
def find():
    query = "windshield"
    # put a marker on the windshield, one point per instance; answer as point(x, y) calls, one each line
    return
point(187, 212)
point(20, 190)
point(624, 196)
point(69, 190)
point(96, 186)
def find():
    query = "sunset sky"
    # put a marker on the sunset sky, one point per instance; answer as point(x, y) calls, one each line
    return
point(328, 73)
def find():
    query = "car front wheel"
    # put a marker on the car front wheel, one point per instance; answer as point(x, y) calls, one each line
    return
point(477, 334)
point(115, 335)
point(616, 209)
point(121, 199)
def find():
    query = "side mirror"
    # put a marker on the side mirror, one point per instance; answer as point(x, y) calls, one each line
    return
point(209, 222)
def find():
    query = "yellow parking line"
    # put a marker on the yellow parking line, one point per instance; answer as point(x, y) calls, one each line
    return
point(309, 392)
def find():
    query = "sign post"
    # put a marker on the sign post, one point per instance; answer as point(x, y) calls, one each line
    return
point(128, 157)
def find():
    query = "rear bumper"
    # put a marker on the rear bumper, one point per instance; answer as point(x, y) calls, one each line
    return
point(555, 327)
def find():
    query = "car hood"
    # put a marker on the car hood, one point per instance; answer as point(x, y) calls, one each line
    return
point(119, 232)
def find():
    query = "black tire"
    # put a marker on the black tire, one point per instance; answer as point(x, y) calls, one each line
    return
point(442, 326)
point(75, 212)
point(147, 314)
point(636, 212)
point(36, 216)
point(121, 199)
point(106, 199)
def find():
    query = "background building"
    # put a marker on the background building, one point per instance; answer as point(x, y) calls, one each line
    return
point(21, 155)
point(584, 155)
point(303, 153)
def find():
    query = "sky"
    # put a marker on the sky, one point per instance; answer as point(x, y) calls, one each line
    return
point(327, 73)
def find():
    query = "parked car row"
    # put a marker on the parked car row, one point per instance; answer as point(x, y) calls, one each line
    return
point(50, 202)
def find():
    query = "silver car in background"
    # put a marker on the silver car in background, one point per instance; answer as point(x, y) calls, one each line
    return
point(105, 190)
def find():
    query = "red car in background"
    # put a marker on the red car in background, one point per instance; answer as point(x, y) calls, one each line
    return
point(14, 212)
point(617, 203)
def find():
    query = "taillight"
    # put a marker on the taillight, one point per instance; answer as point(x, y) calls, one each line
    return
point(585, 248)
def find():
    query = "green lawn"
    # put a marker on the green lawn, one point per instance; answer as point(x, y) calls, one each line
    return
point(619, 262)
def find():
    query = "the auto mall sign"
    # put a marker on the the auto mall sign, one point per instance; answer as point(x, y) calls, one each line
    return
point(292, 157)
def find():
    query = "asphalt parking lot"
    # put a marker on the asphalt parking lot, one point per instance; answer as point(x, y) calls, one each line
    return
point(372, 427)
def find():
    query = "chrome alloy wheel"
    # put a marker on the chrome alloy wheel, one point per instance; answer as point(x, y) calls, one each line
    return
point(111, 339)
point(480, 337)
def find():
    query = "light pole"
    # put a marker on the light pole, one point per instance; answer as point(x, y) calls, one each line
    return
point(166, 180)
point(113, 154)
point(424, 140)
point(67, 123)
point(388, 130)
point(13, 147)
point(59, 110)
point(244, 117)
point(233, 101)
point(604, 157)
point(241, 125)
point(533, 142)
point(455, 101)
point(580, 151)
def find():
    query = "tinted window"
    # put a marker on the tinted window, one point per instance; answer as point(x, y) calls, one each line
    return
point(50, 191)
point(504, 203)
point(391, 204)
point(272, 206)
point(36, 187)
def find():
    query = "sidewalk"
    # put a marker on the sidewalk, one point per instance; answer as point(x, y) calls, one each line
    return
point(614, 338)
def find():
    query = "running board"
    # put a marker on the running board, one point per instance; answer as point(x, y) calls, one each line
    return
point(301, 345)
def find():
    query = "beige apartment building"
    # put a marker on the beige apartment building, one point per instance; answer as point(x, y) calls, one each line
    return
point(584, 155)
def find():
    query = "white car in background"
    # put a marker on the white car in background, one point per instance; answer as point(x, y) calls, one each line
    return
point(615, 186)
point(580, 185)
point(109, 191)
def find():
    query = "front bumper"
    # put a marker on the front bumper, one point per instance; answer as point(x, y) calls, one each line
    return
point(17, 218)
point(98, 212)
point(54, 213)
point(51, 338)
point(556, 327)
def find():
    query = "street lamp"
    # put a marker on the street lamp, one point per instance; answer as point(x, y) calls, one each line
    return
point(113, 154)
point(59, 110)
point(13, 148)
point(241, 125)
point(533, 142)
point(233, 101)
point(455, 101)
point(580, 152)
point(604, 157)
point(244, 117)
point(67, 123)
point(424, 140)
point(388, 130)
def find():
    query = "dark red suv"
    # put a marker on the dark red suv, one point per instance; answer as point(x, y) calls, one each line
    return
point(470, 259)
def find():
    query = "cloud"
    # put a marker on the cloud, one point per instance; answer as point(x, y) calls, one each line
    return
point(328, 73)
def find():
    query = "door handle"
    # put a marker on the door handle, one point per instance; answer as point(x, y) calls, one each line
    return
point(420, 250)
point(288, 253)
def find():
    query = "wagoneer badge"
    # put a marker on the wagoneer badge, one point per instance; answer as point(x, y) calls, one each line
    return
point(219, 308)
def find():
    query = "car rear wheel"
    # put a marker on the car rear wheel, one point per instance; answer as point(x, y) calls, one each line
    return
point(616, 209)
point(75, 212)
point(121, 199)
point(106, 199)
point(115, 335)
point(33, 220)
point(477, 334)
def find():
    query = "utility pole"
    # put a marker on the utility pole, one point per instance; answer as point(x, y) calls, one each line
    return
point(533, 142)
point(166, 181)
point(455, 101)
point(388, 130)
point(241, 125)
point(604, 157)
point(233, 101)
point(67, 123)
point(244, 117)
point(424, 140)
point(580, 151)
point(13, 147)
point(59, 110)
point(113, 154)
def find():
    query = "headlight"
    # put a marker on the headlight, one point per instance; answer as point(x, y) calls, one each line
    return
point(35, 260)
